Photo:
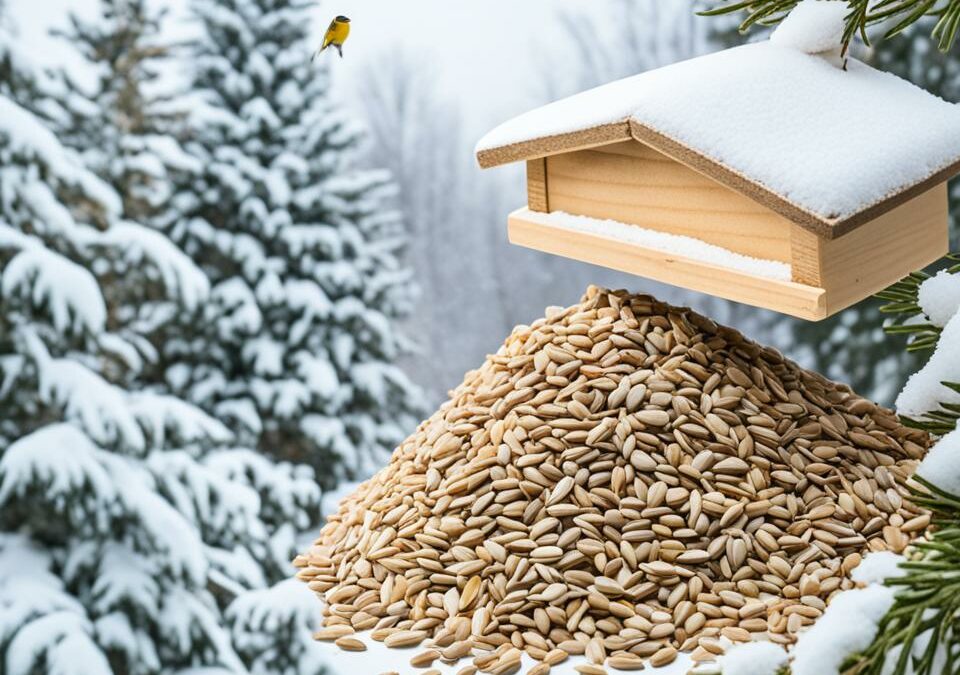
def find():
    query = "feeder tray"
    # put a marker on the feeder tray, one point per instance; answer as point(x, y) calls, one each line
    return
point(754, 159)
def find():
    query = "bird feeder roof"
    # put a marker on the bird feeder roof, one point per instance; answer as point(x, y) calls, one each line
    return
point(828, 148)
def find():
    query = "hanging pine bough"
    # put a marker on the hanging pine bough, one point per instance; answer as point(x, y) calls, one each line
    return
point(862, 14)
point(903, 304)
point(918, 634)
point(921, 622)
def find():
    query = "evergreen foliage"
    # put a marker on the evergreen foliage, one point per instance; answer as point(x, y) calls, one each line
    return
point(906, 318)
point(896, 15)
point(135, 535)
point(296, 346)
point(918, 635)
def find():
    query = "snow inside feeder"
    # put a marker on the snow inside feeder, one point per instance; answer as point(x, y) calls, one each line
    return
point(766, 154)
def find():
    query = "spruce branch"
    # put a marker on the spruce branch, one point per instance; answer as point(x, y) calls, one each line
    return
point(862, 15)
point(919, 634)
point(902, 305)
point(924, 616)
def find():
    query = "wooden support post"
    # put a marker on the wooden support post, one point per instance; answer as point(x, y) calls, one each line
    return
point(806, 252)
point(537, 185)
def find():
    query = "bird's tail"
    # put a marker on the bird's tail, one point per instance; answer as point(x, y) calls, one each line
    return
point(316, 54)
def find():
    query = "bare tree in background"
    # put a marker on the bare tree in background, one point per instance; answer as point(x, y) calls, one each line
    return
point(417, 133)
point(475, 285)
point(625, 38)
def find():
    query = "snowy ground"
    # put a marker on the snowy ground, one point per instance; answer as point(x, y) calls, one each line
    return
point(380, 659)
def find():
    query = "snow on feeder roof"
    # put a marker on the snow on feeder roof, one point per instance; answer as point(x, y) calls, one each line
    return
point(764, 149)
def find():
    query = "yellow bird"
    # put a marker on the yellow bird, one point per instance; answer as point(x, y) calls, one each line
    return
point(336, 35)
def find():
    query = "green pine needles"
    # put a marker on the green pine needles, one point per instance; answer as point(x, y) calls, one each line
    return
point(898, 14)
point(919, 633)
point(906, 319)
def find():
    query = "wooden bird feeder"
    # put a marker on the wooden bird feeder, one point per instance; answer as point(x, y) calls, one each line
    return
point(760, 174)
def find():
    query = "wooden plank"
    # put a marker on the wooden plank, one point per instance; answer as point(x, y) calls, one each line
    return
point(732, 179)
point(826, 227)
point(537, 185)
point(806, 250)
point(883, 251)
point(552, 145)
point(621, 130)
point(632, 183)
point(533, 230)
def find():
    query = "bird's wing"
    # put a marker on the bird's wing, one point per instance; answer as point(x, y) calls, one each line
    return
point(328, 36)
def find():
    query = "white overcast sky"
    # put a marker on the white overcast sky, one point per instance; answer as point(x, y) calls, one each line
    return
point(486, 51)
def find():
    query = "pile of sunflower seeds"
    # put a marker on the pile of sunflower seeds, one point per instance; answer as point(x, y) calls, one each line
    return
point(622, 480)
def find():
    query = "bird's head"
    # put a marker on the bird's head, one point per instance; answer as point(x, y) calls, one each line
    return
point(342, 19)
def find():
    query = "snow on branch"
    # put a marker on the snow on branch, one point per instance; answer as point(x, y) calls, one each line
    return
point(60, 463)
point(161, 529)
point(941, 466)
point(159, 414)
point(925, 391)
point(98, 406)
point(111, 415)
point(235, 570)
point(225, 510)
point(61, 643)
point(317, 373)
point(376, 380)
point(51, 217)
point(27, 586)
point(274, 625)
point(848, 625)
point(939, 297)
point(179, 273)
point(288, 492)
point(127, 353)
point(186, 616)
point(307, 297)
point(27, 135)
point(813, 27)
point(69, 291)
point(275, 607)
point(170, 153)
point(60, 459)
point(124, 578)
point(238, 299)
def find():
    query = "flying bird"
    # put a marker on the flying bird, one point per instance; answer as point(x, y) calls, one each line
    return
point(336, 35)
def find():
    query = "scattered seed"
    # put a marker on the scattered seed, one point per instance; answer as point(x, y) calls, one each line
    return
point(663, 656)
point(590, 669)
point(405, 638)
point(350, 644)
point(425, 659)
point(332, 633)
point(625, 662)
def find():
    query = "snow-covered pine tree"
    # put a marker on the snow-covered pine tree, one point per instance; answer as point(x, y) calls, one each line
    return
point(110, 110)
point(246, 510)
point(307, 284)
point(126, 525)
